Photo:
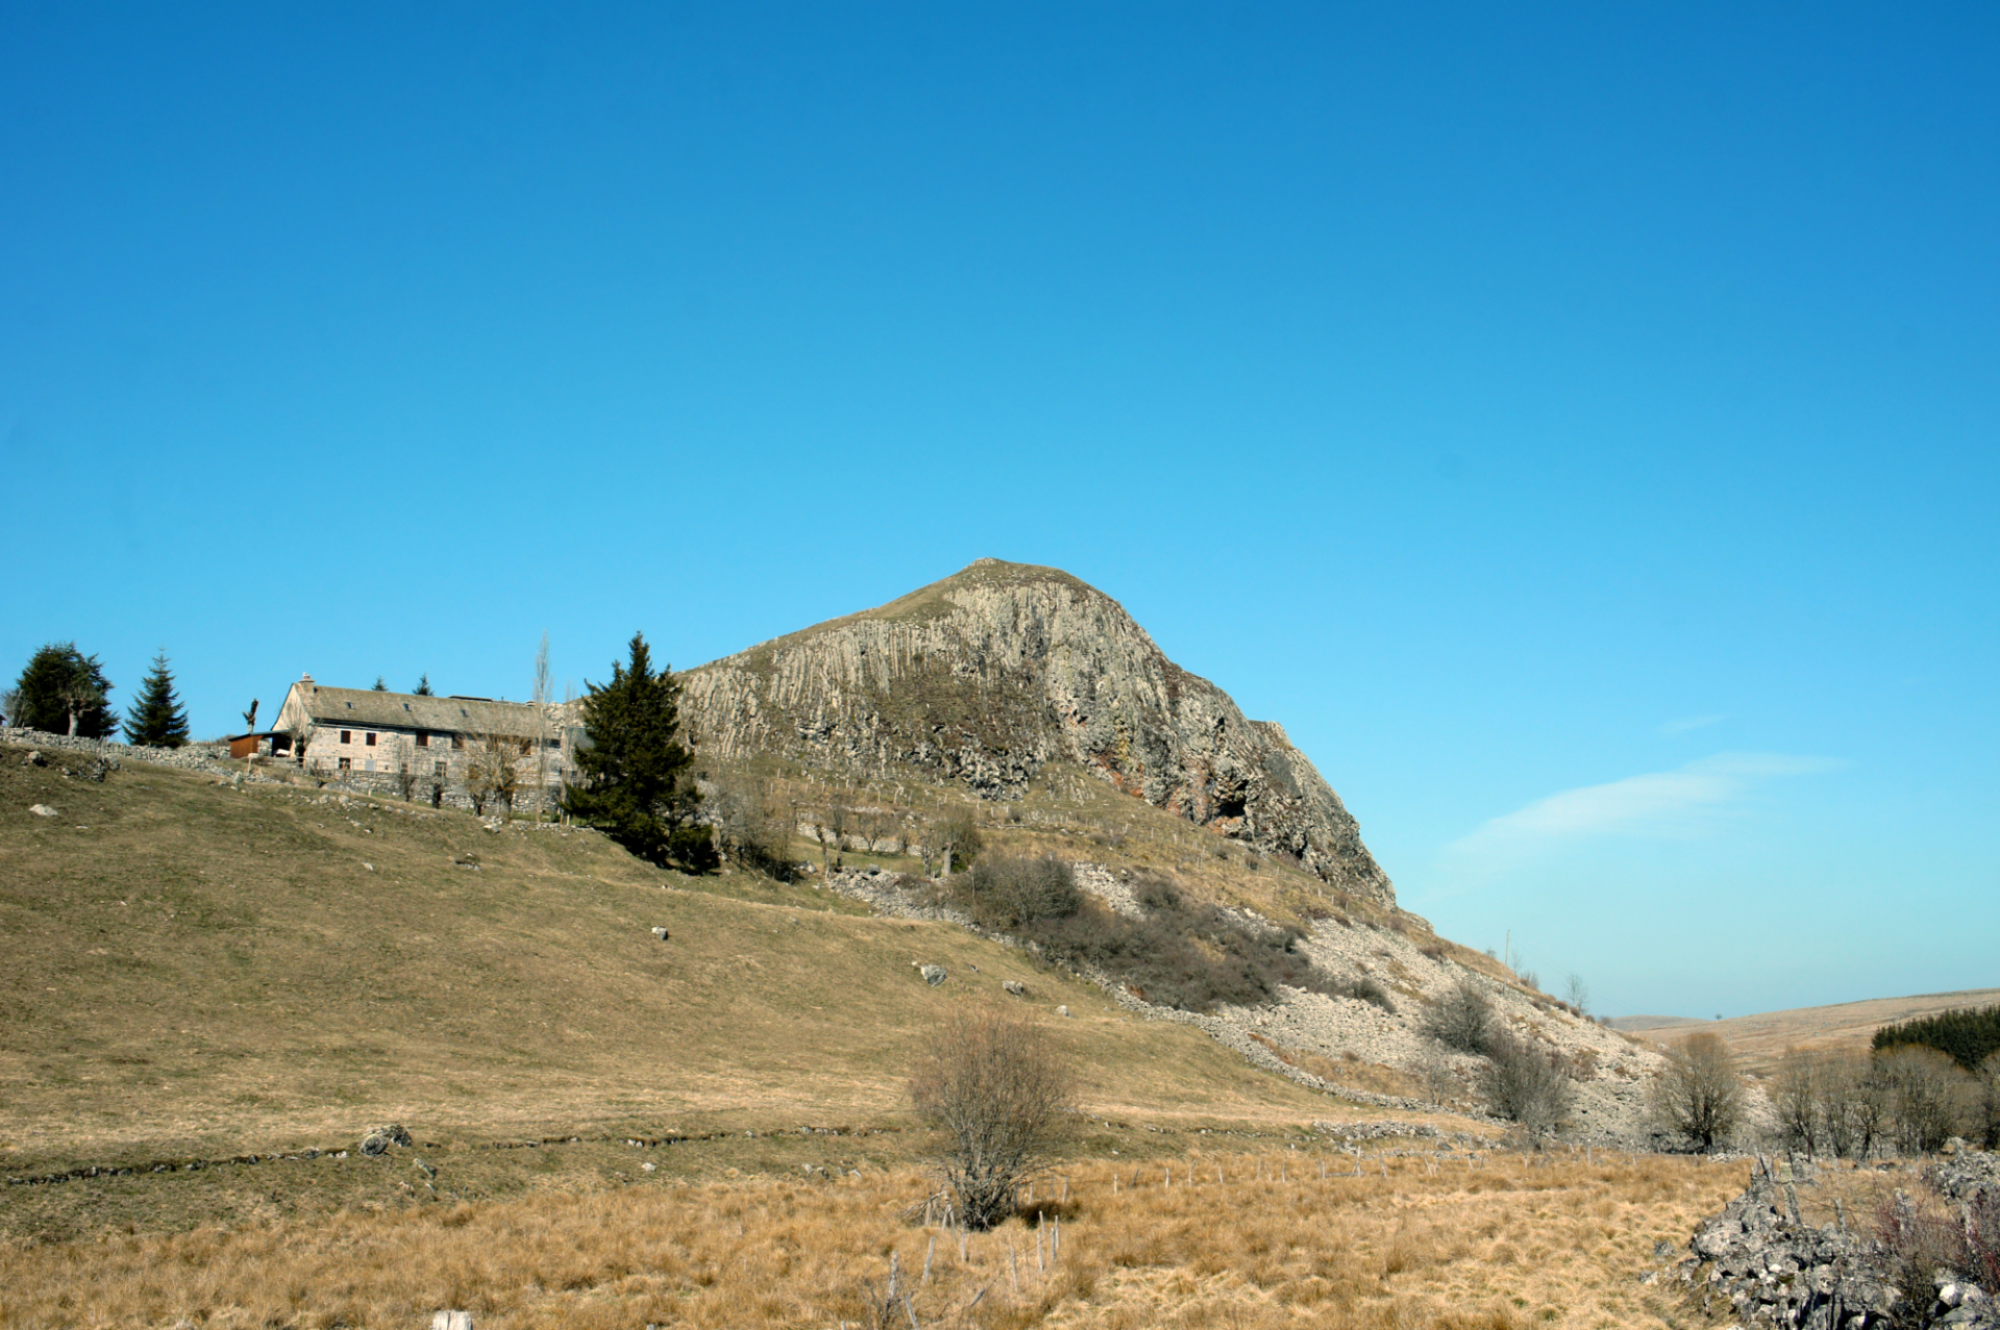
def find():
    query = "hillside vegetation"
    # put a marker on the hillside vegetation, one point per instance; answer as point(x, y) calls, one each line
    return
point(199, 967)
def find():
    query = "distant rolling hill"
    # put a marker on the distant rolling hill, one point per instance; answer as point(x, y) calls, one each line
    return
point(1763, 1038)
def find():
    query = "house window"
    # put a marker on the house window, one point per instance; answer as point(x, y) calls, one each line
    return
point(346, 763)
point(347, 737)
point(423, 739)
point(442, 765)
point(457, 741)
point(371, 738)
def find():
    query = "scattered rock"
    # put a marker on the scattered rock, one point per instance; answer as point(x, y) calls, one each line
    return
point(35, 759)
point(370, 867)
point(1062, 1011)
point(43, 810)
point(379, 1139)
point(933, 974)
point(453, 1320)
point(1016, 987)
point(661, 934)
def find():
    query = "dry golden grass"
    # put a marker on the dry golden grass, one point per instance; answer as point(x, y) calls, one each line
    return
point(1509, 1241)
point(212, 971)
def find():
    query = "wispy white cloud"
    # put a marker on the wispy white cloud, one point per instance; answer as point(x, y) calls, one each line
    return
point(1686, 723)
point(1665, 803)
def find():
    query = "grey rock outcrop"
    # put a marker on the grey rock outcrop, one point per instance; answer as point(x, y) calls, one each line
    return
point(990, 675)
point(379, 1139)
point(1776, 1270)
point(933, 974)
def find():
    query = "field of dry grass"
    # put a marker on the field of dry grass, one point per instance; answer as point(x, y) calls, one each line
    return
point(1273, 1238)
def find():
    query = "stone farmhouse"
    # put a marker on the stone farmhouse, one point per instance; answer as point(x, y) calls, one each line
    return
point(379, 739)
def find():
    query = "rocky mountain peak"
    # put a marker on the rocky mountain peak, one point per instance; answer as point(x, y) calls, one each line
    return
point(989, 675)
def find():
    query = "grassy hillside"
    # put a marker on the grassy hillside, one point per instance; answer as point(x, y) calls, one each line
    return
point(196, 967)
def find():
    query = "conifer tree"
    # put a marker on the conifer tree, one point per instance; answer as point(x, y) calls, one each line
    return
point(424, 688)
point(635, 783)
point(64, 691)
point(157, 718)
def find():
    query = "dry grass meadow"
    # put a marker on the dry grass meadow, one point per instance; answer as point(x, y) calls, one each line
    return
point(1257, 1239)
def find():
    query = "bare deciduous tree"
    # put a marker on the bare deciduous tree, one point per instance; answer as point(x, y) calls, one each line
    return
point(1799, 1096)
point(1699, 1094)
point(491, 773)
point(1003, 1096)
point(1988, 1076)
point(302, 732)
point(541, 700)
point(958, 838)
point(1930, 1096)
point(753, 824)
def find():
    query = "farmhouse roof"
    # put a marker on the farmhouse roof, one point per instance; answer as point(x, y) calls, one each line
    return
point(409, 711)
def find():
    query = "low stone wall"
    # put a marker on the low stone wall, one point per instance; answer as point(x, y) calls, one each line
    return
point(189, 757)
point(213, 758)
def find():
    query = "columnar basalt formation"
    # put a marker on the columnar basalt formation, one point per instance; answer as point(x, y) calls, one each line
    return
point(991, 674)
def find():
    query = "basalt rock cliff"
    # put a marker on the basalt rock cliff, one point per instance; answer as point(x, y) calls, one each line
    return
point(991, 674)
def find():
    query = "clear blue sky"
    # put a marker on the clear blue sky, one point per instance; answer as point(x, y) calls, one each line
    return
point(1576, 424)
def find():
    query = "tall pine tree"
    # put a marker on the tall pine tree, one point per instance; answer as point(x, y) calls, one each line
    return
point(635, 784)
point(157, 718)
point(64, 691)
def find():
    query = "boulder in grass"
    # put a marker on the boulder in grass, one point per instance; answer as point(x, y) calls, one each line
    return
point(379, 1139)
point(933, 974)
point(43, 810)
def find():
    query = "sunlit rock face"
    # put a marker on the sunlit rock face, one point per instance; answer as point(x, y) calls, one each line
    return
point(984, 678)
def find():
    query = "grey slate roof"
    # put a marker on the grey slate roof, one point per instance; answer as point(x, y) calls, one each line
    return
point(368, 709)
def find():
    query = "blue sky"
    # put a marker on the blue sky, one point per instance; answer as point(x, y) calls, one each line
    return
point(1576, 424)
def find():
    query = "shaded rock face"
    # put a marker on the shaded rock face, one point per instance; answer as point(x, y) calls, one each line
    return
point(986, 677)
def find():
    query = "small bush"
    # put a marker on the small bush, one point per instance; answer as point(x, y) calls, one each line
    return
point(1008, 893)
point(1527, 1084)
point(1003, 1098)
point(1462, 1019)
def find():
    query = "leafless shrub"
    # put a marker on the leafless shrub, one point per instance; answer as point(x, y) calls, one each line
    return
point(1432, 1069)
point(1527, 1083)
point(1006, 893)
point(1699, 1093)
point(1923, 1238)
point(1002, 1095)
point(1462, 1019)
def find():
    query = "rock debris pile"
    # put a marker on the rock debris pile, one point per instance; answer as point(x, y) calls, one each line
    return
point(1775, 1269)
